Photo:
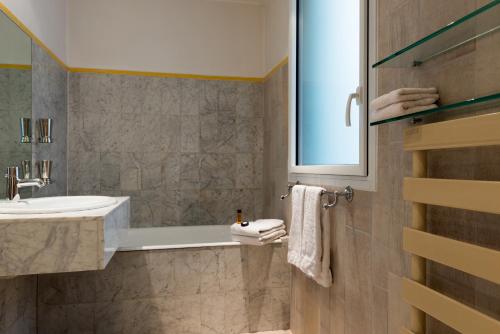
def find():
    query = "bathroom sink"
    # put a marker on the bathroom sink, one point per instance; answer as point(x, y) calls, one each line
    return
point(61, 234)
point(55, 204)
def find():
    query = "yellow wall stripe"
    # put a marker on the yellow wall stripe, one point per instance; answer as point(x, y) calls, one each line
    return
point(31, 34)
point(16, 66)
point(164, 75)
point(24, 28)
point(275, 69)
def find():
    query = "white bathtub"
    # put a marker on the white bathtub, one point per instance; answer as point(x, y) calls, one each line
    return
point(150, 238)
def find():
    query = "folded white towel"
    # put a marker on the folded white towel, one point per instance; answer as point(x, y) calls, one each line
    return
point(415, 103)
point(404, 94)
point(397, 109)
point(259, 241)
point(295, 231)
point(241, 231)
point(313, 255)
point(257, 228)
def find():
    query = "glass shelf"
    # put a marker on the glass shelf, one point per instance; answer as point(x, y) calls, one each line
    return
point(483, 102)
point(468, 28)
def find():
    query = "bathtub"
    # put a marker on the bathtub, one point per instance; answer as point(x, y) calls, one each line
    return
point(175, 280)
point(172, 237)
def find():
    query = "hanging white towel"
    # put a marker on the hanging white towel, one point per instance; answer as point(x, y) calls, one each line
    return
point(296, 225)
point(397, 109)
point(312, 257)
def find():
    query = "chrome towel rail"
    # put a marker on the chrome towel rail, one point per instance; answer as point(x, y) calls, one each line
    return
point(348, 193)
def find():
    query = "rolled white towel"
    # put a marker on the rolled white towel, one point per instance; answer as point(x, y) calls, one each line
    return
point(257, 228)
point(395, 110)
point(402, 95)
point(259, 241)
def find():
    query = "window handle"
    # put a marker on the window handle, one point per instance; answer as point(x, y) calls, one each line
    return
point(356, 96)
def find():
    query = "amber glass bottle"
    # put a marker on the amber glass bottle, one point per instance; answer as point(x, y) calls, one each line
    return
point(238, 216)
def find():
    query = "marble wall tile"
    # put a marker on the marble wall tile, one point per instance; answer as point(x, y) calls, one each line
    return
point(189, 95)
point(187, 272)
point(15, 102)
point(236, 270)
point(18, 305)
point(212, 269)
point(70, 288)
point(49, 100)
point(250, 135)
point(149, 135)
point(82, 181)
point(212, 314)
point(136, 275)
point(204, 290)
point(190, 134)
point(133, 316)
point(251, 100)
point(236, 312)
point(66, 319)
point(216, 204)
point(248, 201)
point(217, 171)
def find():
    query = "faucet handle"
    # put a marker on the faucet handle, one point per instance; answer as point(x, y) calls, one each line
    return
point(26, 169)
point(12, 178)
point(44, 170)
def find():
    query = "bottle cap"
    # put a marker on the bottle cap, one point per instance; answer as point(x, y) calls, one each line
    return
point(243, 224)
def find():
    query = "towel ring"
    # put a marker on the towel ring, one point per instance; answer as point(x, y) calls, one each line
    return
point(348, 193)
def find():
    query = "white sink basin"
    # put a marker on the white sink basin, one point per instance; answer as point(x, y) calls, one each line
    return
point(55, 204)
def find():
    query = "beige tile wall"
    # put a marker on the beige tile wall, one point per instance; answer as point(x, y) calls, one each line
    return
point(368, 261)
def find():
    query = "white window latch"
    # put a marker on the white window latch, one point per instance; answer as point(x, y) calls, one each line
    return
point(358, 98)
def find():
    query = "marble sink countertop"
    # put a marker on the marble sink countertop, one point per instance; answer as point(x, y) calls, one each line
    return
point(62, 242)
point(71, 215)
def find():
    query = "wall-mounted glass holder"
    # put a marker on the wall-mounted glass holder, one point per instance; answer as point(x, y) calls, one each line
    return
point(45, 130)
point(44, 170)
point(25, 130)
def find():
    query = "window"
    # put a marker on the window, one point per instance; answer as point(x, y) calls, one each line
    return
point(328, 87)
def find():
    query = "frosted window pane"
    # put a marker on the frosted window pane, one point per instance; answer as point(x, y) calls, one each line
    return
point(328, 71)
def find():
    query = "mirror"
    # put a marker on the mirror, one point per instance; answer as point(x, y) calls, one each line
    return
point(15, 96)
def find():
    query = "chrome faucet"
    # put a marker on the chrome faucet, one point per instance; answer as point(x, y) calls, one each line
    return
point(14, 183)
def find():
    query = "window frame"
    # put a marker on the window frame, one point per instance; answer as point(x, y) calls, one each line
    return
point(360, 176)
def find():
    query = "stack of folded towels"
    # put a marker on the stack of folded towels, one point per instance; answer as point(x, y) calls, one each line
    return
point(259, 232)
point(403, 101)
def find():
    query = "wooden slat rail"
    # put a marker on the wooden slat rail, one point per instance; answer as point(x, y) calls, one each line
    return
point(475, 260)
point(483, 196)
point(466, 132)
point(458, 316)
point(418, 268)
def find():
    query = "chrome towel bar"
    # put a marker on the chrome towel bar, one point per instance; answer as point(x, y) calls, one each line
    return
point(348, 193)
